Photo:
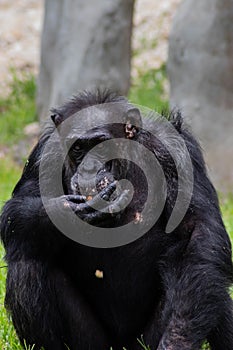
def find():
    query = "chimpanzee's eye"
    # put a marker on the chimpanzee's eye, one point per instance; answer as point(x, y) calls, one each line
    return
point(76, 148)
point(76, 152)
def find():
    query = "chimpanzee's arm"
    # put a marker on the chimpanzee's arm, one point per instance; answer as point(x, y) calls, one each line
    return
point(47, 310)
point(196, 291)
point(26, 227)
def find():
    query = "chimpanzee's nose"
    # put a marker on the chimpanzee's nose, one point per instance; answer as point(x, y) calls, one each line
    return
point(89, 167)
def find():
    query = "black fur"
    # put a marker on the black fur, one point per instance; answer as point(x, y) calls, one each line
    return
point(170, 287)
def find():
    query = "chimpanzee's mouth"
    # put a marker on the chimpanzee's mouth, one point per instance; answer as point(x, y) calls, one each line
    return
point(91, 186)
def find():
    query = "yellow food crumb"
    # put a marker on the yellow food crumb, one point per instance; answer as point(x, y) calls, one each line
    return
point(99, 274)
point(138, 218)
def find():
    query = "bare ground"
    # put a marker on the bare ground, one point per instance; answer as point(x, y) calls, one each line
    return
point(21, 22)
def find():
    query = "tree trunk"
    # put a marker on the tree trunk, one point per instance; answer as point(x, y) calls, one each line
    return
point(200, 69)
point(85, 44)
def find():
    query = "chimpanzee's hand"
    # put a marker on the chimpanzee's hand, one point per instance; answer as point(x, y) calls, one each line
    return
point(93, 209)
point(99, 208)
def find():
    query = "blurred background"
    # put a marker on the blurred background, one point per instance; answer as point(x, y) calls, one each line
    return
point(161, 54)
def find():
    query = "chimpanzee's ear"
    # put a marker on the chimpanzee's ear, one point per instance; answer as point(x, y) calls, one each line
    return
point(57, 119)
point(134, 117)
point(133, 122)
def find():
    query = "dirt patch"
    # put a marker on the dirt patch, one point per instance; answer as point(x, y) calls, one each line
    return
point(20, 29)
point(21, 23)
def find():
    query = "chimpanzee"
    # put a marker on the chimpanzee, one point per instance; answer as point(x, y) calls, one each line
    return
point(76, 289)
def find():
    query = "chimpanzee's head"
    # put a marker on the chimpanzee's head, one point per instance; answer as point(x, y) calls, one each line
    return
point(91, 162)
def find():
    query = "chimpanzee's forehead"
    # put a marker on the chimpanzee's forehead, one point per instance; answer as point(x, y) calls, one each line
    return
point(97, 117)
point(101, 133)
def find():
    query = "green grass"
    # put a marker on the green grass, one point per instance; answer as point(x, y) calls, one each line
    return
point(9, 175)
point(17, 110)
point(227, 212)
point(149, 90)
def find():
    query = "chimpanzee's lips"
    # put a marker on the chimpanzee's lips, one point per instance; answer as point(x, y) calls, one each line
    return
point(91, 185)
point(91, 188)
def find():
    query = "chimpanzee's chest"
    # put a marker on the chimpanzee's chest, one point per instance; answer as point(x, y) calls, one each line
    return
point(120, 284)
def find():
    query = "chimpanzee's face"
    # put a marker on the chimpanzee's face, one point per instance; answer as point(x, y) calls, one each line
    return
point(93, 173)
